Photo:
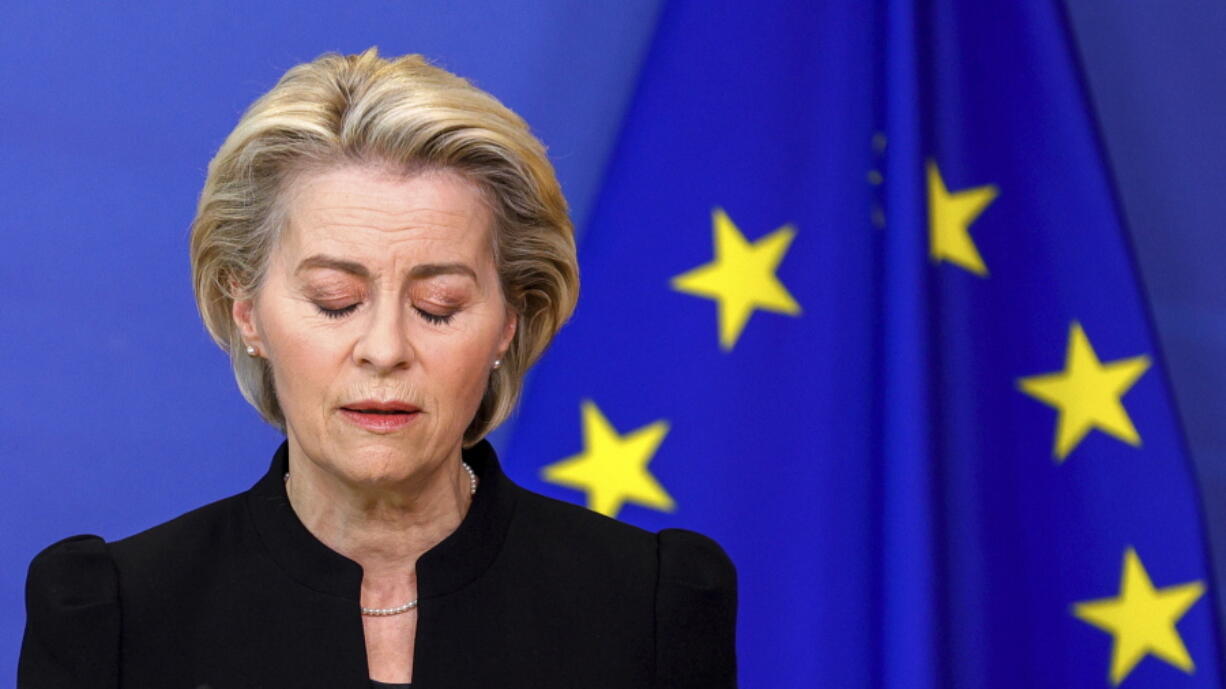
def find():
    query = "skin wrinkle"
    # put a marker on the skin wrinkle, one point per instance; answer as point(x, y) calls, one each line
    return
point(381, 499)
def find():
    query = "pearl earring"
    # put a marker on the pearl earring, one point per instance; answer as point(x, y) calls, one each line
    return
point(250, 350)
point(497, 364)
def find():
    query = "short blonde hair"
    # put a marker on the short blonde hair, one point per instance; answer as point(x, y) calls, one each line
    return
point(409, 115)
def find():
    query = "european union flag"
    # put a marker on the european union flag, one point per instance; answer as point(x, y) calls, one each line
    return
point(859, 304)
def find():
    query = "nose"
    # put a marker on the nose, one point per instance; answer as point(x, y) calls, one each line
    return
point(384, 344)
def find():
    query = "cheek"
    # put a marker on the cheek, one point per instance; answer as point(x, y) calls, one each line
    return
point(305, 362)
point(462, 373)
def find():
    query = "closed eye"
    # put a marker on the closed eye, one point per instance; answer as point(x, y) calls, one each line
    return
point(434, 317)
point(338, 313)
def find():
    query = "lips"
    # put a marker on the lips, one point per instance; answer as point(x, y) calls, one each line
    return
point(380, 417)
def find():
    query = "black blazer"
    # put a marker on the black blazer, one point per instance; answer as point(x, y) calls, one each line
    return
point(528, 592)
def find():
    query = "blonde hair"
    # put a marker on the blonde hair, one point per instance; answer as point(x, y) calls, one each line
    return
point(409, 115)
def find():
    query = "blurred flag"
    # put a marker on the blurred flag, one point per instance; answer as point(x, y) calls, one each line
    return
point(858, 303)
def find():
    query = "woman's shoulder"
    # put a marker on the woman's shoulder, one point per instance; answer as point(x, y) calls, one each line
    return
point(678, 556)
point(88, 558)
point(685, 580)
point(692, 560)
point(88, 568)
point(696, 605)
point(74, 589)
point(198, 533)
point(72, 616)
point(578, 527)
point(75, 571)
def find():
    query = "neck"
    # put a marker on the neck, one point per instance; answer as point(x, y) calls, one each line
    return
point(383, 528)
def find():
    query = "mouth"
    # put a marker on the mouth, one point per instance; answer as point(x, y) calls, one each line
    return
point(378, 407)
point(380, 417)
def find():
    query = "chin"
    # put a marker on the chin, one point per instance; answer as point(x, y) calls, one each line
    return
point(377, 460)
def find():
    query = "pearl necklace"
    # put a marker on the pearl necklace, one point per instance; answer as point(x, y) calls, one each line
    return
point(384, 612)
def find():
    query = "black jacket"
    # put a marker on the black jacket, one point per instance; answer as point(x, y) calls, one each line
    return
point(528, 592)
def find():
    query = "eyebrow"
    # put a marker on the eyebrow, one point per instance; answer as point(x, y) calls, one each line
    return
point(419, 272)
point(429, 270)
point(322, 261)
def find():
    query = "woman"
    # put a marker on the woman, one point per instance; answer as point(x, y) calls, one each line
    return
point(383, 250)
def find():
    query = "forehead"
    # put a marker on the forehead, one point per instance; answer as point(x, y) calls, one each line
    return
point(375, 215)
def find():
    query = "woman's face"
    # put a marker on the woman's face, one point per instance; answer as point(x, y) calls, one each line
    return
point(382, 293)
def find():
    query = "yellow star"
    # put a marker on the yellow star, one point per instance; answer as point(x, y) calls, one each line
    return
point(1142, 619)
point(950, 215)
point(742, 277)
point(612, 468)
point(1087, 393)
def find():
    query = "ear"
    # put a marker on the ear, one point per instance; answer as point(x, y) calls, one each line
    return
point(508, 332)
point(243, 311)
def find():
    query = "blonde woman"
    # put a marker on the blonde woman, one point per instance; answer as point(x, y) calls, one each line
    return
point(384, 251)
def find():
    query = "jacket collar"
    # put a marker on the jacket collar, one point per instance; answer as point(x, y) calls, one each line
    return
point(458, 560)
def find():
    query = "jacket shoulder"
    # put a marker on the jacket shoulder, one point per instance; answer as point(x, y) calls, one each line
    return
point(578, 530)
point(696, 562)
point(72, 617)
point(191, 539)
point(685, 577)
point(696, 600)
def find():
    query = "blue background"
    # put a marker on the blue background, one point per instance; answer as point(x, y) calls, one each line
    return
point(119, 413)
